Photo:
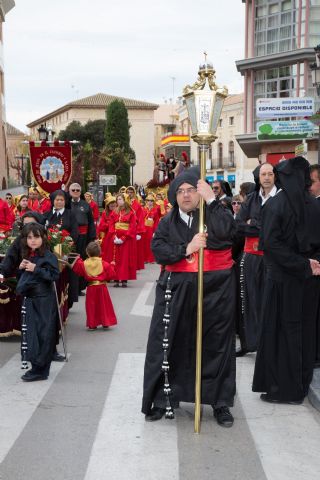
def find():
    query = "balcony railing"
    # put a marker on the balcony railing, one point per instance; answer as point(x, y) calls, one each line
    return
point(225, 162)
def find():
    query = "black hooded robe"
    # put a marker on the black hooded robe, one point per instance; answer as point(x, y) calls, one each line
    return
point(218, 361)
point(41, 310)
point(289, 237)
point(252, 274)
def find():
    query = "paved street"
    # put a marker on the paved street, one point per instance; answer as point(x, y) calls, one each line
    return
point(84, 423)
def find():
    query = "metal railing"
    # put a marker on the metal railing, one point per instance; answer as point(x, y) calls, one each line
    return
point(225, 162)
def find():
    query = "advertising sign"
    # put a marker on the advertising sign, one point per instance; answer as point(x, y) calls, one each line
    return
point(284, 130)
point(301, 149)
point(51, 166)
point(284, 107)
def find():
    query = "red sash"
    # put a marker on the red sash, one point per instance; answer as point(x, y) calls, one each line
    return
point(213, 260)
point(83, 229)
point(252, 246)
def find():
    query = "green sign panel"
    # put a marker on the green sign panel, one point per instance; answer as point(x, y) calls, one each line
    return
point(285, 130)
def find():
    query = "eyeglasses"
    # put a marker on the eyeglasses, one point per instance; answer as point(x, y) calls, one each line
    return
point(215, 188)
point(186, 191)
point(236, 203)
point(75, 190)
point(8, 198)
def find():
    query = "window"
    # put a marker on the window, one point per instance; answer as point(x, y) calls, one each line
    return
point(220, 122)
point(231, 154)
point(231, 121)
point(220, 154)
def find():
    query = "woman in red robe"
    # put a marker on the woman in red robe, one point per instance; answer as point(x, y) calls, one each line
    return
point(103, 230)
point(94, 207)
point(122, 228)
point(151, 220)
point(22, 206)
point(137, 208)
point(99, 306)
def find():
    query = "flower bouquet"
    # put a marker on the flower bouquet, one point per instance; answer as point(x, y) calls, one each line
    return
point(60, 242)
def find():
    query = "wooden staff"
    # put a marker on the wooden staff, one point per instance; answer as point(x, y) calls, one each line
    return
point(197, 412)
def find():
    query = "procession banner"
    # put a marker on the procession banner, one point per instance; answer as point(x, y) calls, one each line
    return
point(51, 166)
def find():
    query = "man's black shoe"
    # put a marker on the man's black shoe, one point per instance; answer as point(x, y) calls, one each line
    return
point(33, 377)
point(223, 416)
point(81, 294)
point(155, 414)
point(57, 357)
point(267, 398)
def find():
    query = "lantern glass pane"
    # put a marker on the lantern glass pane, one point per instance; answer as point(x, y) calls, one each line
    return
point(190, 103)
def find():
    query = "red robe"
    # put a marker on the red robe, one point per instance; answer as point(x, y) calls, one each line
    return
point(99, 306)
point(5, 216)
point(34, 205)
point(151, 220)
point(95, 210)
point(107, 238)
point(125, 255)
point(45, 205)
point(135, 205)
point(12, 209)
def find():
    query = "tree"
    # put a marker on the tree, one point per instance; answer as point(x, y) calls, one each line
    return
point(117, 151)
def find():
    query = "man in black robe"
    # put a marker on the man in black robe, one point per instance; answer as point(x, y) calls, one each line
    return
point(251, 264)
point(290, 238)
point(172, 336)
point(86, 234)
point(315, 191)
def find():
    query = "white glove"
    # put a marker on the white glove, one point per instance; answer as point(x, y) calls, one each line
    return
point(117, 241)
point(138, 237)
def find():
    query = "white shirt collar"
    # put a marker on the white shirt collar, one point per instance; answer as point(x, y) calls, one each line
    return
point(58, 210)
point(270, 194)
point(185, 217)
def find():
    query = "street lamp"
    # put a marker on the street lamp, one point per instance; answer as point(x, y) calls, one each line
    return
point(204, 101)
point(43, 133)
point(22, 157)
point(315, 75)
point(132, 161)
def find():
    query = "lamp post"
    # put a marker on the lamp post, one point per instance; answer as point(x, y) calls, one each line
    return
point(315, 75)
point(132, 160)
point(43, 133)
point(204, 101)
point(22, 157)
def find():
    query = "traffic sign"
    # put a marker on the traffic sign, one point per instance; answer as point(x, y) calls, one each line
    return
point(107, 180)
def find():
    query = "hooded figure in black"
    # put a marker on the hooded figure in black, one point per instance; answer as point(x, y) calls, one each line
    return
point(172, 336)
point(290, 238)
point(251, 265)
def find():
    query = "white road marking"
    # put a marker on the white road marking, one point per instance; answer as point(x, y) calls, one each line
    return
point(19, 400)
point(127, 447)
point(286, 436)
point(140, 308)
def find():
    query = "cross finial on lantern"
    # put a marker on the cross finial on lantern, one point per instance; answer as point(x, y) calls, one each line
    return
point(205, 56)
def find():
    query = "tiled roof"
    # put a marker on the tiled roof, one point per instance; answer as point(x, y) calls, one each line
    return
point(100, 100)
point(103, 100)
point(11, 130)
point(231, 99)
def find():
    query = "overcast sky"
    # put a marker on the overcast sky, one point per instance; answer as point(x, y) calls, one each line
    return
point(61, 50)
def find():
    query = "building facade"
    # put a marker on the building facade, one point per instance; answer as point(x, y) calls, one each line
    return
point(280, 36)
point(141, 119)
point(5, 7)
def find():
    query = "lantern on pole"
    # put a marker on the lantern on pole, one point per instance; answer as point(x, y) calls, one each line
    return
point(204, 101)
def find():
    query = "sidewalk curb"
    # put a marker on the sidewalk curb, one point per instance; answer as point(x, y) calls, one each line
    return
point(314, 389)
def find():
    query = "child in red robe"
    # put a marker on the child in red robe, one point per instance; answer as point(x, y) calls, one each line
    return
point(97, 272)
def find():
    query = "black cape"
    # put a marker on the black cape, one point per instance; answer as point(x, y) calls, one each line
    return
point(41, 308)
point(218, 364)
